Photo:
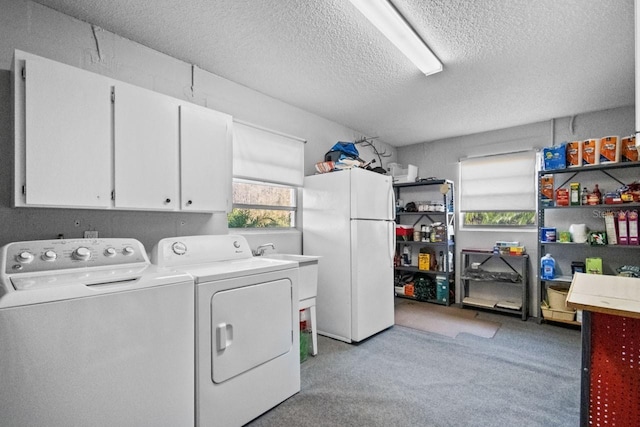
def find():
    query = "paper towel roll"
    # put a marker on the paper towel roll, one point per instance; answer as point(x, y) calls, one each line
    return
point(591, 152)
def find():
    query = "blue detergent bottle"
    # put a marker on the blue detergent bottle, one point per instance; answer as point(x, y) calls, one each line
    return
point(547, 267)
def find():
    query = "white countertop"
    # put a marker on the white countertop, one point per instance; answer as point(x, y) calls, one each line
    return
point(605, 294)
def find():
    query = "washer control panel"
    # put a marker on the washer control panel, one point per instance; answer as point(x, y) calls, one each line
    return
point(50, 255)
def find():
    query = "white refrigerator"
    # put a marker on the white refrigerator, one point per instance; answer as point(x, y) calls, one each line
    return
point(348, 219)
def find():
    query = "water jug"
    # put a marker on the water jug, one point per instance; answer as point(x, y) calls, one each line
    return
point(547, 267)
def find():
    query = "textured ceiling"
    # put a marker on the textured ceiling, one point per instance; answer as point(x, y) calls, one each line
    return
point(506, 62)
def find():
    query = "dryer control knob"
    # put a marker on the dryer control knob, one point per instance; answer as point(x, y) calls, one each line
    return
point(128, 251)
point(179, 248)
point(110, 252)
point(49, 256)
point(25, 257)
point(82, 254)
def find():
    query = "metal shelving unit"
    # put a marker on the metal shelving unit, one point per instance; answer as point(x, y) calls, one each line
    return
point(613, 256)
point(445, 194)
point(517, 276)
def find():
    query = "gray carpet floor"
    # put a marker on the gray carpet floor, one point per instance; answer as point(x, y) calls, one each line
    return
point(528, 374)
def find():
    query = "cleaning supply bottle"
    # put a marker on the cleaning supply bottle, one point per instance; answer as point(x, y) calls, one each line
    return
point(406, 255)
point(547, 267)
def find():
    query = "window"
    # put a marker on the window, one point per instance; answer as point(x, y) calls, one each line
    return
point(268, 171)
point(499, 190)
point(262, 205)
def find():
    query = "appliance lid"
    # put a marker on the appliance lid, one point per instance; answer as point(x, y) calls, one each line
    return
point(221, 270)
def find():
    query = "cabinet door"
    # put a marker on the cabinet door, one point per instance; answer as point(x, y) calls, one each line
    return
point(67, 136)
point(146, 149)
point(205, 159)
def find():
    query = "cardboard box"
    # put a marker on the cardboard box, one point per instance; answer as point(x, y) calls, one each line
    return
point(591, 152)
point(438, 233)
point(628, 149)
point(424, 261)
point(632, 221)
point(408, 290)
point(597, 238)
point(609, 149)
point(546, 190)
point(548, 234)
point(504, 243)
point(564, 236)
point(610, 226)
point(549, 313)
point(574, 194)
point(442, 288)
point(562, 197)
point(593, 265)
point(623, 228)
point(574, 154)
point(516, 250)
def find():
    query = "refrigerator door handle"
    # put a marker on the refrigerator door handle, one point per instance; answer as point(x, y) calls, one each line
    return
point(392, 241)
point(392, 204)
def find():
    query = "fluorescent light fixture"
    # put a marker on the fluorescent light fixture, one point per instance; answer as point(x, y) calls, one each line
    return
point(386, 18)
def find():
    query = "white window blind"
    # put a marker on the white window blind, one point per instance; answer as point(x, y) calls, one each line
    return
point(498, 183)
point(262, 155)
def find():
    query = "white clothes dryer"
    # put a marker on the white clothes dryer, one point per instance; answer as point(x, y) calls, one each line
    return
point(247, 326)
point(92, 335)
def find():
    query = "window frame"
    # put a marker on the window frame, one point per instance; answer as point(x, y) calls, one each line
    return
point(279, 208)
point(533, 212)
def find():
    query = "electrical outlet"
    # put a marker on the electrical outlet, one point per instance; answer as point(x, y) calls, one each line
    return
point(91, 234)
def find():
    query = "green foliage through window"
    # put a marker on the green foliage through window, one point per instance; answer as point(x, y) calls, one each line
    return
point(499, 218)
point(262, 205)
point(259, 218)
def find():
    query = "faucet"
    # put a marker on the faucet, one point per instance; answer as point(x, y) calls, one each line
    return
point(260, 249)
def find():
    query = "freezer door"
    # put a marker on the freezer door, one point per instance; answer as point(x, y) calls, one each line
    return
point(372, 195)
point(372, 277)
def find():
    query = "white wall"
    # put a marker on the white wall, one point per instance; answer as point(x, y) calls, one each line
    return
point(440, 159)
point(36, 29)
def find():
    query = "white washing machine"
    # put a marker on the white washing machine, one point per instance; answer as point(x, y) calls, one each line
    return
point(92, 335)
point(247, 326)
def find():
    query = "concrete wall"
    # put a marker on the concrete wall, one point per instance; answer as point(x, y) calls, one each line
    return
point(440, 159)
point(36, 29)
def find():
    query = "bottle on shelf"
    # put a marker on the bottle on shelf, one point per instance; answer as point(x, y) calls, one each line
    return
point(406, 255)
point(441, 261)
point(585, 195)
point(597, 192)
point(547, 267)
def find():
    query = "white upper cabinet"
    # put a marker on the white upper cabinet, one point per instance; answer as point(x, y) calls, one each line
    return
point(83, 140)
point(64, 136)
point(205, 159)
point(147, 157)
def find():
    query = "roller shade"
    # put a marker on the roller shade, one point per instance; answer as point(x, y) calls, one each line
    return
point(498, 183)
point(263, 155)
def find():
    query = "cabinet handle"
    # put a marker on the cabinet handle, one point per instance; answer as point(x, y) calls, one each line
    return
point(167, 201)
point(189, 203)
